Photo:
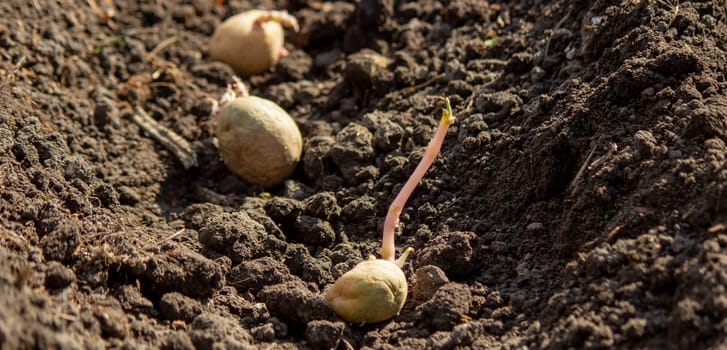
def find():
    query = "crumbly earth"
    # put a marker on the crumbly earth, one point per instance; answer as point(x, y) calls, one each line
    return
point(578, 203)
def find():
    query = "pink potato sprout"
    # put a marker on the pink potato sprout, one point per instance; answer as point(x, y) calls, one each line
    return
point(375, 289)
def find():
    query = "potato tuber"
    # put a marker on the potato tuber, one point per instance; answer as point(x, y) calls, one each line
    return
point(251, 42)
point(257, 139)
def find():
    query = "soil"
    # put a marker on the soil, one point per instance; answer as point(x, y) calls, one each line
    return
point(578, 202)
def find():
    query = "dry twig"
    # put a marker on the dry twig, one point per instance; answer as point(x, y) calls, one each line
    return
point(176, 144)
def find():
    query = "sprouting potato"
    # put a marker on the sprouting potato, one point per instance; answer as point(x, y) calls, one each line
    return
point(257, 139)
point(375, 289)
point(251, 42)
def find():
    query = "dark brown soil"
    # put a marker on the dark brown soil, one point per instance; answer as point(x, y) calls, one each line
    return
point(579, 201)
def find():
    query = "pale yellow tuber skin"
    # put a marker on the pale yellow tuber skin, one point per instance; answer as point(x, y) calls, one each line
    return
point(251, 42)
point(257, 139)
point(375, 290)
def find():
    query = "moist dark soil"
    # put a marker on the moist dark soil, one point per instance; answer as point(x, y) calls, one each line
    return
point(579, 202)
